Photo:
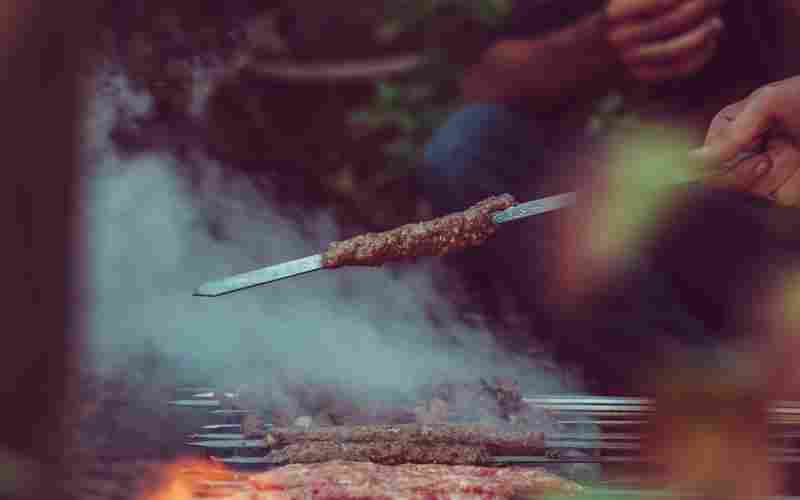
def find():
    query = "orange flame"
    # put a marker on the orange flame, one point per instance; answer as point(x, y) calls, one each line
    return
point(182, 479)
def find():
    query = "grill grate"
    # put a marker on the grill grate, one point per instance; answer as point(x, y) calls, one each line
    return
point(607, 430)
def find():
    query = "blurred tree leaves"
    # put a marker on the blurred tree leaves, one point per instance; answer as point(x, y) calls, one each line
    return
point(411, 107)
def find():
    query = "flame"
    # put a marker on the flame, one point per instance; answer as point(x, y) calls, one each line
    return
point(180, 479)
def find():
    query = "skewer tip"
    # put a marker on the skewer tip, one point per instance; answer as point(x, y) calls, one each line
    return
point(204, 291)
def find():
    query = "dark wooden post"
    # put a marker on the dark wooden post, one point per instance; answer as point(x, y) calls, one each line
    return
point(40, 44)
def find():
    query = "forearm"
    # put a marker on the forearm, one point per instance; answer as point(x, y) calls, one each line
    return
point(573, 63)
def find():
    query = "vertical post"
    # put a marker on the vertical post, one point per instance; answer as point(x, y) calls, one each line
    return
point(40, 47)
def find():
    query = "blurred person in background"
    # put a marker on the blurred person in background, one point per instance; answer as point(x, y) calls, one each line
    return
point(529, 101)
point(535, 87)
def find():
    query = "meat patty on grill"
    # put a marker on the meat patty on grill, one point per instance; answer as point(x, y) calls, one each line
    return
point(368, 481)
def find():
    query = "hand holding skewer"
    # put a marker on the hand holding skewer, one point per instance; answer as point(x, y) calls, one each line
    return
point(769, 120)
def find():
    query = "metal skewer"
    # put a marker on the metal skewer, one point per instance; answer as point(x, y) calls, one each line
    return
point(222, 428)
point(229, 413)
point(508, 460)
point(196, 403)
point(222, 436)
point(314, 262)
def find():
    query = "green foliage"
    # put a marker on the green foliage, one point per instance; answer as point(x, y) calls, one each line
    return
point(412, 14)
point(454, 32)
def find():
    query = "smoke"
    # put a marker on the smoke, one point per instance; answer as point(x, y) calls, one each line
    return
point(149, 245)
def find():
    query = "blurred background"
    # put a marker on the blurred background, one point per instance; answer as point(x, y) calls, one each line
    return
point(216, 137)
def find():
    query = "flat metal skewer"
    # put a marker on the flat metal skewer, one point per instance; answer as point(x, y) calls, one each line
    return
point(231, 413)
point(235, 444)
point(195, 389)
point(222, 428)
point(506, 460)
point(312, 263)
point(585, 400)
point(196, 403)
point(222, 436)
point(215, 395)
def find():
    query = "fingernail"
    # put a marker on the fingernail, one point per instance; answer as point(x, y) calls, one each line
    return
point(762, 168)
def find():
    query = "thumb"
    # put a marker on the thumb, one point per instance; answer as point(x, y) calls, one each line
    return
point(748, 127)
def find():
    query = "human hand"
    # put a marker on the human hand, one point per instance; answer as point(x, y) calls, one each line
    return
point(664, 39)
point(772, 110)
point(770, 174)
point(766, 120)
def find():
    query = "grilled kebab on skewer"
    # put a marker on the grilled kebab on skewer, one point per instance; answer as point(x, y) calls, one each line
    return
point(436, 237)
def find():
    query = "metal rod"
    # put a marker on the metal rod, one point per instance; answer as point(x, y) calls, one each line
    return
point(215, 394)
point(599, 436)
point(607, 423)
point(231, 412)
point(196, 403)
point(244, 460)
point(226, 436)
point(195, 389)
point(591, 445)
point(586, 400)
point(564, 460)
point(223, 427)
point(235, 444)
point(521, 460)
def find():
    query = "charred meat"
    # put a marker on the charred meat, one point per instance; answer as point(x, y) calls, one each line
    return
point(435, 237)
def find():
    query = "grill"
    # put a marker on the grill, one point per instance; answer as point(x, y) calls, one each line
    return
point(602, 430)
point(605, 429)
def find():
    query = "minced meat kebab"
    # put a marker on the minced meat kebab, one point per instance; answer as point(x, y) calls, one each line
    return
point(380, 452)
point(454, 444)
point(496, 439)
point(431, 238)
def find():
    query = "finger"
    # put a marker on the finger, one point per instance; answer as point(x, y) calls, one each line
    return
point(621, 10)
point(752, 122)
point(788, 195)
point(721, 123)
point(743, 176)
point(785, 162)
point(680, 47)
point(682, 18)
point(675, 69)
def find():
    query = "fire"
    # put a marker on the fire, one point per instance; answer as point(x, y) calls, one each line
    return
point(182, 479)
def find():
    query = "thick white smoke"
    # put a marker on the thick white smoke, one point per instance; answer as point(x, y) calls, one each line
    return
point(148, 248)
